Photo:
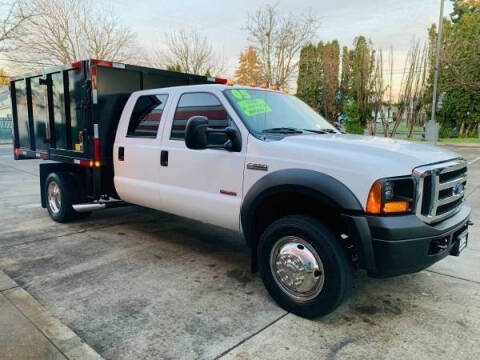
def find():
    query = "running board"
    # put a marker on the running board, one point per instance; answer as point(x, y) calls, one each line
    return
point(98, 206)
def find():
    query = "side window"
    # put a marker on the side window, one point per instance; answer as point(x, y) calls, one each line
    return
point(146, 116)
point(200, 104)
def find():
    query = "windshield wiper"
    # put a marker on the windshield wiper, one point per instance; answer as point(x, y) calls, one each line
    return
point(322, 131)
point(283, 130)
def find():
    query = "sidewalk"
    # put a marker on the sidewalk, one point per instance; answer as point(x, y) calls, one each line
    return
point(29, 332)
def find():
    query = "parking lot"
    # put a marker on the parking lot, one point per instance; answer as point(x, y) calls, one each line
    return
point(134, 283)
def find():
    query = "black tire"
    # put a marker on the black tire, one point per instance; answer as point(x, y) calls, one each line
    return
point(68, 192)
point(337, 270)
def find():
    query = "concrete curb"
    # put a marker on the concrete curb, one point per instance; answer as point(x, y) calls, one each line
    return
point(458, 145)
point(61, 336)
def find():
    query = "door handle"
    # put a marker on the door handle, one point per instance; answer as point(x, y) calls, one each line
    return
point(121, 153)
point(164, 158)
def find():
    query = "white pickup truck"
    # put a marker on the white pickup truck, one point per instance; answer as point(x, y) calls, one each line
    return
point(313, 204)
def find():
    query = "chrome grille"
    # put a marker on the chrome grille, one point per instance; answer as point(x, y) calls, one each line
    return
point(440, 189)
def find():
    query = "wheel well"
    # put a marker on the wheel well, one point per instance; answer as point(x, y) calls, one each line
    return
point(287, 203)
point(77, 174)
point(282, 204)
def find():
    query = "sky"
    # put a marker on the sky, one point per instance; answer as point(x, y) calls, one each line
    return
point(386, 23)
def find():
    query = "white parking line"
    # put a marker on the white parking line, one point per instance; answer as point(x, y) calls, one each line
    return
point(474, 160)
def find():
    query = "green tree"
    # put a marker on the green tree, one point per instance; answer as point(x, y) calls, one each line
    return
point(460, 76)
point(344, 89)
point(330, 79)
point(459, 80)
point(363, 57)
point(318, 78)
point(308, 76)
point(461, 7)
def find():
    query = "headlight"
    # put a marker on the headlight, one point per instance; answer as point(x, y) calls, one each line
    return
point(390, 196)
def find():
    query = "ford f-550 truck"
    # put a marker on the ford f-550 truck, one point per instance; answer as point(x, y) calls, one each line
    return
point(313, 204)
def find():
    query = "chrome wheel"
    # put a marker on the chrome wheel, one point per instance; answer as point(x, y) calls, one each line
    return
point(54, 197)
point(297, 268)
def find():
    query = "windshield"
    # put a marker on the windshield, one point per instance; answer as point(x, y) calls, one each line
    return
point(267, 111)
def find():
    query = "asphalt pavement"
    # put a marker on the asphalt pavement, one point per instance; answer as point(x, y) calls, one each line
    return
point(134, 283)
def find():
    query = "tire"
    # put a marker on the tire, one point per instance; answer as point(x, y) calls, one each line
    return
point(297, 242)
point(62, 186)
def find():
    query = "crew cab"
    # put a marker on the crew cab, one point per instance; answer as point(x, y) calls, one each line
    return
point(312, 203)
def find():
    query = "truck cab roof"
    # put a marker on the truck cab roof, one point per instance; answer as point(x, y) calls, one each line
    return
point(201, 87)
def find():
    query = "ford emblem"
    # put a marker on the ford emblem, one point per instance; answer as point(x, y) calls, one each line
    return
point(457, 189)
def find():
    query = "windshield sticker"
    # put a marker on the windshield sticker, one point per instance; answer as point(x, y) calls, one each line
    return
point(241, 94)
point(253, 107)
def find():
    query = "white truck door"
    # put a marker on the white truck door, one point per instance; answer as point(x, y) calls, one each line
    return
point(204, 185)
point(137, 149)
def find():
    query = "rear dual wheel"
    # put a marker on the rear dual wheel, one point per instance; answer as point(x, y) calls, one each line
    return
point(61, 193)
point(303, 266)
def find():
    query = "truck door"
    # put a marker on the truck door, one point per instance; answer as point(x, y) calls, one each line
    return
point(205, 185)
point(137, 149)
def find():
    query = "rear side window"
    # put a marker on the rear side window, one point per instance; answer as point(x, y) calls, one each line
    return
point(200, 104)
point(146, 116)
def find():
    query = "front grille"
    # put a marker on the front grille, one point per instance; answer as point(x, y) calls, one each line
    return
point(440, 189)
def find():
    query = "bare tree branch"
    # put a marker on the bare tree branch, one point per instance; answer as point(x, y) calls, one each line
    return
point(65, 31)
point(278, 41)
point(190, 52)
point(10, 24)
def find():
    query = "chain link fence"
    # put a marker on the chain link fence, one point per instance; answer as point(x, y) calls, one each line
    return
point(6, 130)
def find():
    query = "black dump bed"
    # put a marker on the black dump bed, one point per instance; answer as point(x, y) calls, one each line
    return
point(55, 113)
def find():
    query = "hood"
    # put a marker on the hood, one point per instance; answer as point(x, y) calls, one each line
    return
point(356, 161)
point(405, 155)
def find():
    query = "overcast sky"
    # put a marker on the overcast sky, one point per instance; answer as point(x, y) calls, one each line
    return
point(385, 22)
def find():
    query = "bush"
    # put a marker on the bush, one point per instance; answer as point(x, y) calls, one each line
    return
point(354, 127)
point(352, 115)
point(445, 132)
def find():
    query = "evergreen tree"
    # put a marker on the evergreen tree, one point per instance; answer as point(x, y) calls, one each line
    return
point(363, 58)
point(330, 79)
point(318, 78)
point(308, 76)
point(345, 79)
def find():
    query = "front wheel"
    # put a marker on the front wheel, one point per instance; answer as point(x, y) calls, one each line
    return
point(303, 266)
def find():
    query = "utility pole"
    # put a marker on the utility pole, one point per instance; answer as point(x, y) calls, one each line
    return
point(431, 133)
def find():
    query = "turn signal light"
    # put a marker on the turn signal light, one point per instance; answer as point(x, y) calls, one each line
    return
point(263, 86)
point(230, 82)
point(374, 201)
point(396, 207)
point(274, 87)
point(252, 84)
